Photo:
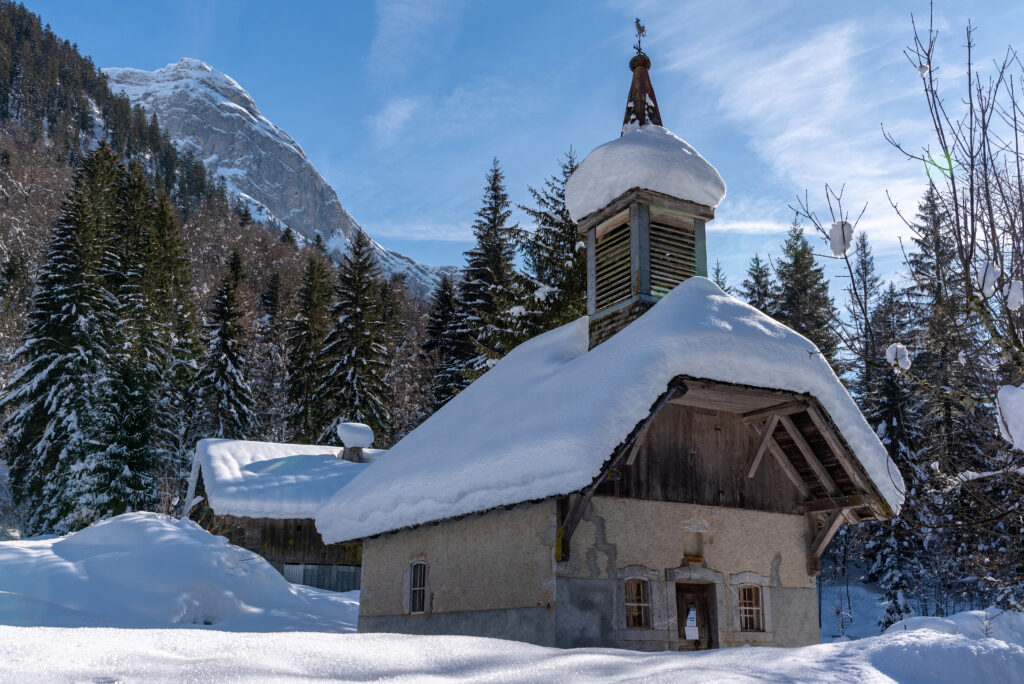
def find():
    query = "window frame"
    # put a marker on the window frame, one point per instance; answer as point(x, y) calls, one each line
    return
point(750, 608)
point(640, 606)
point(418, 593)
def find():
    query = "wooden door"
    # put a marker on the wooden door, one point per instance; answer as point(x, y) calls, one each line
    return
point(693, 603)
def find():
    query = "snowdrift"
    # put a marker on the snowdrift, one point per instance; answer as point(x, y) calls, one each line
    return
point(150, 570)
point(192, 655)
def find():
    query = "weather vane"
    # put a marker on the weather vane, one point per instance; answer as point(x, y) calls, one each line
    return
point(641, 32)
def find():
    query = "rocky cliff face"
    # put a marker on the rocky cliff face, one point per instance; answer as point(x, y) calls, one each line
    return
point(206, 111)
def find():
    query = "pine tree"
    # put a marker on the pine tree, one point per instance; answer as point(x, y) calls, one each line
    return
point(866, 289)
point(123, 474)
point(222, 385)
point(306, 333)
point(269, 365)
point(718, 277)
point(444, 345)
point(167, 290)
point(802, 300)
point(554, 253)
point(491, 290)
point(957, 427)
point(55, 399)
point(354, 387)
point(896, 548)
point(759, 289)
point(288, 236)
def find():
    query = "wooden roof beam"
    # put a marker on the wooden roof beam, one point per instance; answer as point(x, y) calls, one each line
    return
point(784, 409)
point(832, 504)
point(812, 460)
point(841, 454)
point(783, 460)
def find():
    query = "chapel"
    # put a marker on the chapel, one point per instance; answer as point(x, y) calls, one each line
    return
point(663, 473)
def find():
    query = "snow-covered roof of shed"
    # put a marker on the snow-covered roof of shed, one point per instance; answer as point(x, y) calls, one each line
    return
point(355, 434)
point(545, 418)
point(270, 480)
point(648, 157)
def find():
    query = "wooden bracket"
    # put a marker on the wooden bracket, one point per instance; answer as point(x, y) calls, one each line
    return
point(812, 460)
point(766, 439)
point(783, 461)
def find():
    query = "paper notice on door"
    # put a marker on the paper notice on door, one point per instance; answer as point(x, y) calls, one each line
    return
point(690, 629)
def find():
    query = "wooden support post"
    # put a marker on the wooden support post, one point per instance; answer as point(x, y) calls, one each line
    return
point(762, 446)
point(812, 460)
point(828, 530)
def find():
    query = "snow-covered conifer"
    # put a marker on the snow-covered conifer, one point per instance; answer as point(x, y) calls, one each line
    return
point(353, 383)
point(222, 385)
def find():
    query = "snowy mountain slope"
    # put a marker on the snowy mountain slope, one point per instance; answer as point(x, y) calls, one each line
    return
point(207, 111)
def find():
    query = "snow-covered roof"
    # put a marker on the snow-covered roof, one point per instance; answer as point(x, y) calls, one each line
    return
point(545, 418)
point(270, 480)
point(355, 434)
point(648, 157)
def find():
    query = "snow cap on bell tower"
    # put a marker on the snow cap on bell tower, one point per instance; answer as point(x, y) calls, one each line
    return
point(642, 200)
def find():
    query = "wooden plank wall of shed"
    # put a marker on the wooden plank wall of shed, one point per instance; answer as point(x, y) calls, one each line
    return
point(698, 455)
point(287, 541)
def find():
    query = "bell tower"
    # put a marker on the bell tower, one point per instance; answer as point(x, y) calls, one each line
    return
point(641, 202)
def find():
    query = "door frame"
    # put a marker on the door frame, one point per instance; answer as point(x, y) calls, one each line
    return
point(711, 589)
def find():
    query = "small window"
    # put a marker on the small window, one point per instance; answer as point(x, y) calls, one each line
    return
point(418, 587)
point(638, 604)
point(751, 609)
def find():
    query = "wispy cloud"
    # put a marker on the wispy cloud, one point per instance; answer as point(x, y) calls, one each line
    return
point(406, 29)
point(810, 101)
point(389, 121)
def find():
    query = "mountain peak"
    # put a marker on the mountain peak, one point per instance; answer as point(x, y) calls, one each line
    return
point(206, 111)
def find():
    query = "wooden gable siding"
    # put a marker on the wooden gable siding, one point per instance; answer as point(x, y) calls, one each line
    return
point(280, 541)
point(287, 541)
point(696, 455)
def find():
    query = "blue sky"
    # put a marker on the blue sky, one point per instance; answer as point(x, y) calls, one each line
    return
point(401, 105)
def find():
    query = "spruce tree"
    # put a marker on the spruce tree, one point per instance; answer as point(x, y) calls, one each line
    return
point(55, 399)
point(306, 332)
point(802, 300)
point(222, 385)
point(718, 277)
point(124, 472)
point(554, 253)
point(759, 288)
point(491, 291)
point(167, 290)
point(444, 345)
point(896, 548)
point(866, 288)
point(269, 363)
point(353, 386)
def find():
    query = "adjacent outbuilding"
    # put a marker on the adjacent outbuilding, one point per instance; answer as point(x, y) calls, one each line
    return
point(263, 496)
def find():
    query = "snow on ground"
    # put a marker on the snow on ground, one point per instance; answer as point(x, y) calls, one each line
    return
point(118, 655)
point(149, 570)
point(125, 601)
